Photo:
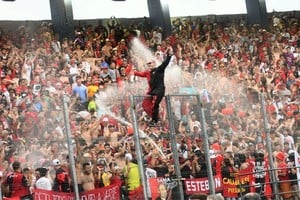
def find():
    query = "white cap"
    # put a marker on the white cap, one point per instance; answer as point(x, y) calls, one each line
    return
point(212, 154)
point(291, 151)
point(128, 156)
point(55, 162)
point(105, 119)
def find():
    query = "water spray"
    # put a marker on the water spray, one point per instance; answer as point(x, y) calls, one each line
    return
point(124, 121)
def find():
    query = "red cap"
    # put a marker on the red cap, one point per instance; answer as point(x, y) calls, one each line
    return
point(216, 147)
point(280, 156)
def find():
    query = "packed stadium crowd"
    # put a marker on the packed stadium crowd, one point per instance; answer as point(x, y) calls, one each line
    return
point(230, 63)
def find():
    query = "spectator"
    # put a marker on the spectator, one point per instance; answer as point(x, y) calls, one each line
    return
point(229, 175)
point(87, 180)
point(102, 176)
point(105, 74)
point(80, 91)
point(215, 197)
point(199, 165)
point(43, 182)
point(131, 173)
point(293, 173)
point(251, 196)
point(16, 184)
point(149, 173)
point(93, 88)
point(62, 179)
point(283, 176)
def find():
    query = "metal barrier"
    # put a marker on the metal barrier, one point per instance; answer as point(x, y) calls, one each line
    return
point(203, 113)
point(172, 134)
point(277, 182)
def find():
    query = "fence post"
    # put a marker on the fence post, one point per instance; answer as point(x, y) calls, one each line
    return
point(138, 147)
point(206, 146)
point(174, 146)
point(269, 147)
point(70, 146)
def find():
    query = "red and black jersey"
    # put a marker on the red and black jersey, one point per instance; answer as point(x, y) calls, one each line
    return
point(61, 181)
point(17, 185)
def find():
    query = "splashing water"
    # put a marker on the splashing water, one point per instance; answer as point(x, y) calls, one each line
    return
point(141, 133)
point(175, 79)
point(140, 54)
point(153, 143)
point(124, 121)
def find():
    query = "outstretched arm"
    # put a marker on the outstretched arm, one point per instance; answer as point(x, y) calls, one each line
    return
point(140, 74)
point(165, 63)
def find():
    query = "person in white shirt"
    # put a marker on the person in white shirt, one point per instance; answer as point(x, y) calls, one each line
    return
point(150, 173)
point(86, 67)
point(43, 182)
point(73, 71)
point(27, 69)
point(157, 35)
point(285, 137)
point(49, 87)
point(159, 54)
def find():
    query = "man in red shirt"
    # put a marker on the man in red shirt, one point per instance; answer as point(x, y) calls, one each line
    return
point(62, 179)
point(16, 184)
point(283, 176)
point(156, 90)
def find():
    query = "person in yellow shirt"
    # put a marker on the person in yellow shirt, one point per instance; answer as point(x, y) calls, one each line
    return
point(131, 173)
point(92, 106)
point(93, 88)
point(103, 178)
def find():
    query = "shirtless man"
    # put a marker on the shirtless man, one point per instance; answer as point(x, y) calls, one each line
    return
point(86, 178)
point(112, 135)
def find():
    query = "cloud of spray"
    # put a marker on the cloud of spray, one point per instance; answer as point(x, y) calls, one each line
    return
point(121, 119)
point(173, 78)
point(140, 54)
point(213, 82)
point(112, 95)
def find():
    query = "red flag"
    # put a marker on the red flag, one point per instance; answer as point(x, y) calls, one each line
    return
point(136, 194)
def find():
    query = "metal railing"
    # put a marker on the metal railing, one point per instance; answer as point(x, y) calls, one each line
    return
point(277, 182)
point(273, 182)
